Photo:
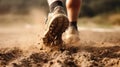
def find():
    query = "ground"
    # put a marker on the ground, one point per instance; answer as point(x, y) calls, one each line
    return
point(20, 47)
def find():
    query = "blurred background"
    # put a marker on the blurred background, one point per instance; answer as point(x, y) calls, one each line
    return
point(103, 13)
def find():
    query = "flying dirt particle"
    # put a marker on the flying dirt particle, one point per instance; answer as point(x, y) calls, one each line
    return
point(38, 43)
point(58, 61)
point(51, 63)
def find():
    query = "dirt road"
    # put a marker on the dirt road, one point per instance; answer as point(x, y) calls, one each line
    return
point(19, 47)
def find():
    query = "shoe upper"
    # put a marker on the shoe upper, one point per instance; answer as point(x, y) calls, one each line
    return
point(71, 35)
point(72, 30)
point(56, 12)
point(59, 9)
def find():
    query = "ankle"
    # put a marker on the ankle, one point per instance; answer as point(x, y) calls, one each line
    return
point(73, 24)
point(55, 4)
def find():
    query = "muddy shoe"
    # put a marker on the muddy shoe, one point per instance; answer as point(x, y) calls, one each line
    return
point(57, 23)
point(71, 36)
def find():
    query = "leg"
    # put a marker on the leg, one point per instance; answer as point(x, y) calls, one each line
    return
point(73, 9)
point(71, 36)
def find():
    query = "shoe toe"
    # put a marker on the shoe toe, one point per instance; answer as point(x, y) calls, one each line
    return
point(71, 38)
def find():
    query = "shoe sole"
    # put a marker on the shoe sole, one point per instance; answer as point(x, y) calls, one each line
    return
point(58, 25)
